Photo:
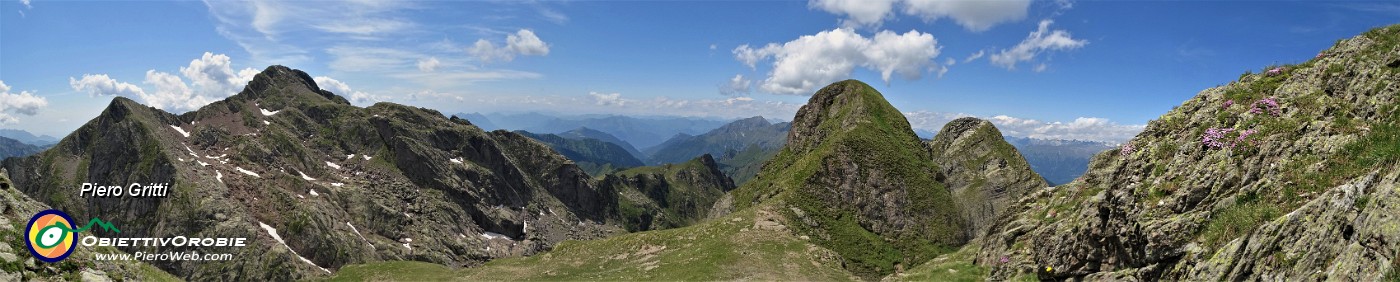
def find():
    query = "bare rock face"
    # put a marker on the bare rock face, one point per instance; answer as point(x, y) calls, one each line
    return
point(339, 184)
point(1287, 174)
point(982, 171)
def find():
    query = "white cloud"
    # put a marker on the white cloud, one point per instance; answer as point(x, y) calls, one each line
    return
point(610, 99)
point(26, 5)
point(942, 70)
point(428, 65)
point(364, 27)
point(340, 88)
point(1083, 128)
point(858, 12)
point(1039, 41)
point(102, 85)
point(811, 61)
point(525, 42)
point(736, 86)
point(522, 43)
point(172, 94)
point(975, 56)
point(974, 16)
point(211, 75)
point(23, 103)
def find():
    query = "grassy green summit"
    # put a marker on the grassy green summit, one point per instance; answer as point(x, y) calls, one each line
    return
point(860, 182)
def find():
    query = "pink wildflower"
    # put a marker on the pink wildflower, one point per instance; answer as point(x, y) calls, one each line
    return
point(1266, 104)
point(1275, 71)
point(1229, 103)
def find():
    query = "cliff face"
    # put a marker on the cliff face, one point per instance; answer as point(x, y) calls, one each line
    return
point(338, 183)
point(1285, 174)
point(982, 171)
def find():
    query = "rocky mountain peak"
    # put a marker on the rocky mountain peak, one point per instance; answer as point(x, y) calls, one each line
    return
point(984, 172)
point(756, 121)
point(282, 81)
point(962, 126)
point(841, 107)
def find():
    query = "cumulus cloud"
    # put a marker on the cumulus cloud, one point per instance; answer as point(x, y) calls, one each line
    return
point(212, 77)
point(340, 88)
point(428, 65)
point(974, 16)
point(522, 43)
point(212, 73)
point(811, 61)
point(103, 85)
point(1040, 41)
point(1082, 128)
point(736, 86)
point(23, 103)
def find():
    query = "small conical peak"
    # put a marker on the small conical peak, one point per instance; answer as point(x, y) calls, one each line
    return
point(757, 121)
point(277, 77)
point(963, 126)
point(841, 107)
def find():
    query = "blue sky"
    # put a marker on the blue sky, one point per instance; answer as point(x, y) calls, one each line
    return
point(1094, 70)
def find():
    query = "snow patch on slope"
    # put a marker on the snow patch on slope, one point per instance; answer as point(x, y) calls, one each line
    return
point(273, 232)
point(181, 130)
point(248, 172)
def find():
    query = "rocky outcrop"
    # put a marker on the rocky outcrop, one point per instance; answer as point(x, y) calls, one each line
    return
point(862, 184)
point(982, 171)
point(16, 264)
point(338, 183)
point(1281, 175)
point(670, 195)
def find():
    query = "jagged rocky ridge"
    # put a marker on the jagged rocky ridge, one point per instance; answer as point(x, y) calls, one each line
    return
point(1301, 184)
point(341, 184)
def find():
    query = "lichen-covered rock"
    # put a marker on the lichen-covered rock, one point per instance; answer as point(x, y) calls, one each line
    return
point(982, 171)
point(1304, 190)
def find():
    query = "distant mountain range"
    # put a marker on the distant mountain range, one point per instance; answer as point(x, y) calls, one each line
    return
point(15, 148)
point(589, 133)
point(639, 132)
point(596, 157)
point(740, 147)
point(1059, 161)
point(28, 138)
